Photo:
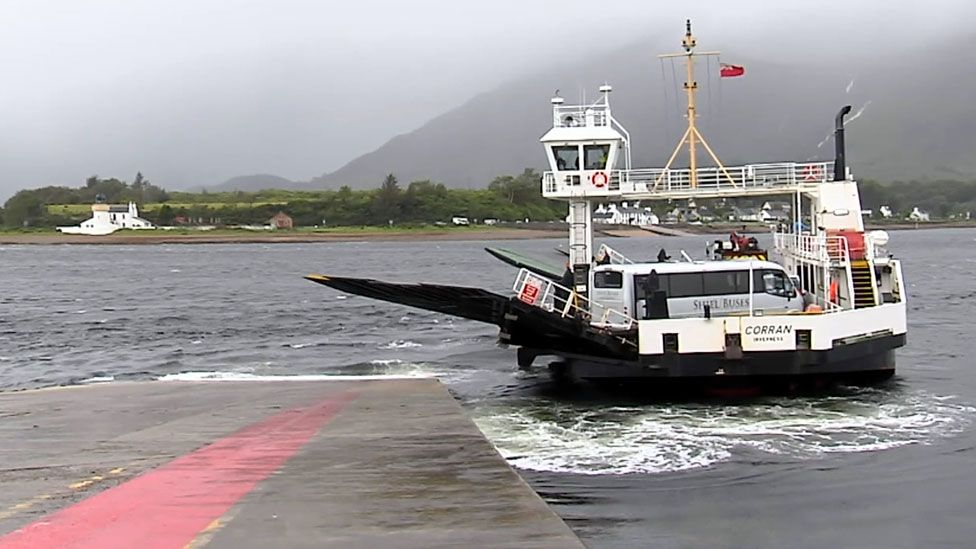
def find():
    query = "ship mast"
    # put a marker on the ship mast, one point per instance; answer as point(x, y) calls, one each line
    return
point(691, 136)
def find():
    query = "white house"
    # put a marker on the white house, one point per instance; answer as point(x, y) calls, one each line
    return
point(918, 215)
point(774, 211)
point(746, 214)
point(624, 215)
point(885, 212)
point(108, 218)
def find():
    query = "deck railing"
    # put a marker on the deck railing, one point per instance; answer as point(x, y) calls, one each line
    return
point(820, 249)
point(616, 258)
point(823, 253)
point(547, 295)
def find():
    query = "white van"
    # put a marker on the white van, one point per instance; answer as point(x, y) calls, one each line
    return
point(693, 290)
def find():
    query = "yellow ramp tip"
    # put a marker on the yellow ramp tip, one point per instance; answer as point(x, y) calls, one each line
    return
point(317, 278)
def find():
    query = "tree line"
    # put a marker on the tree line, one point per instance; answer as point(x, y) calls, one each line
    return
point(942, 199)
point(506, 198)
point(28, 208)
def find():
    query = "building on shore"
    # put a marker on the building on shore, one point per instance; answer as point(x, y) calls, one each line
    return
point(624, 214)
point(918, 215)
point(281, 220)
point(108, 218)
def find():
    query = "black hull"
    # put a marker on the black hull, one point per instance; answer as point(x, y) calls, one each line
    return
point(734, 388)
point(864, 363)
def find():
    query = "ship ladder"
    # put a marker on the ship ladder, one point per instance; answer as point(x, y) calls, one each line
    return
point(578, 242)
point(864, 289)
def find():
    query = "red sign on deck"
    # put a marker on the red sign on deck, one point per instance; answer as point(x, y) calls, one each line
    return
point(530, 290)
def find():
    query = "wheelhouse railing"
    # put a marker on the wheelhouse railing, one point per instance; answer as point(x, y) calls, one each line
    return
point(711, 180)
point(549, 296)
point(573, 116)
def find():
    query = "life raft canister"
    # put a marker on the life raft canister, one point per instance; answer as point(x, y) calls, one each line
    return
point(599, 180)
point(811, 172)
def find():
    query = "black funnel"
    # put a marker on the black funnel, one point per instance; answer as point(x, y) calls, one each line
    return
point(840, 155)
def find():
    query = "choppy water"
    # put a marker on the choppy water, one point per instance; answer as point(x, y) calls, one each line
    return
point(882, 467)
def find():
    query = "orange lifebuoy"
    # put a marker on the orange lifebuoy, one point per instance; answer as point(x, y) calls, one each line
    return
point(834, 289)
point(599, 179)
point(811, 172)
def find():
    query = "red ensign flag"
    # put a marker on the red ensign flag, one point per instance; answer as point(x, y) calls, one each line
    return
point(729, 71)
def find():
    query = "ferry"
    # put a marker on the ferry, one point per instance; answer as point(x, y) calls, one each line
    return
point(826, 305)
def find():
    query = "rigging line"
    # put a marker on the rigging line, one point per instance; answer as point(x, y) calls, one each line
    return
point(667, 102)
point(708, 84)
point(674, 80)
point(718, 92)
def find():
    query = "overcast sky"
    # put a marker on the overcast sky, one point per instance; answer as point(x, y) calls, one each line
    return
point(194, 92)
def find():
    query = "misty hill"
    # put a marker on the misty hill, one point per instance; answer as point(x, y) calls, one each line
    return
point(919, 121)
point(256, 182)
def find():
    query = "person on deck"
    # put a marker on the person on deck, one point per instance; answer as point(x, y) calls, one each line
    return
point(563, 291)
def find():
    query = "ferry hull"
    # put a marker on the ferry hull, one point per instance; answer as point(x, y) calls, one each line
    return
point(611, 359)
point(863, 363)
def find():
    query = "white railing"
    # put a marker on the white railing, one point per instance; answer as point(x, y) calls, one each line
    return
point(547, 295)
point(819, 249)
point(650, 182)
point(616, 258)
point(574, 116)
point(823, 252)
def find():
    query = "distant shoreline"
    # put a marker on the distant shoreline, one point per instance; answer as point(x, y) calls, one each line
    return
point(530, 232)
point(219, 237)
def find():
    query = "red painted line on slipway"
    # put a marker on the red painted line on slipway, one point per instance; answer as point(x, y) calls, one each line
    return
point(168, 506)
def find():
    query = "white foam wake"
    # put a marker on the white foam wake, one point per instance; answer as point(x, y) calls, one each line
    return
point(657, 439)
point(240, 376)
point(97, 379)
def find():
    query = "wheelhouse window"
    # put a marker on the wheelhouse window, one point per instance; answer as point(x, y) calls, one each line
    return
point(595, 156)
point(608, 279)
point(566, 156)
